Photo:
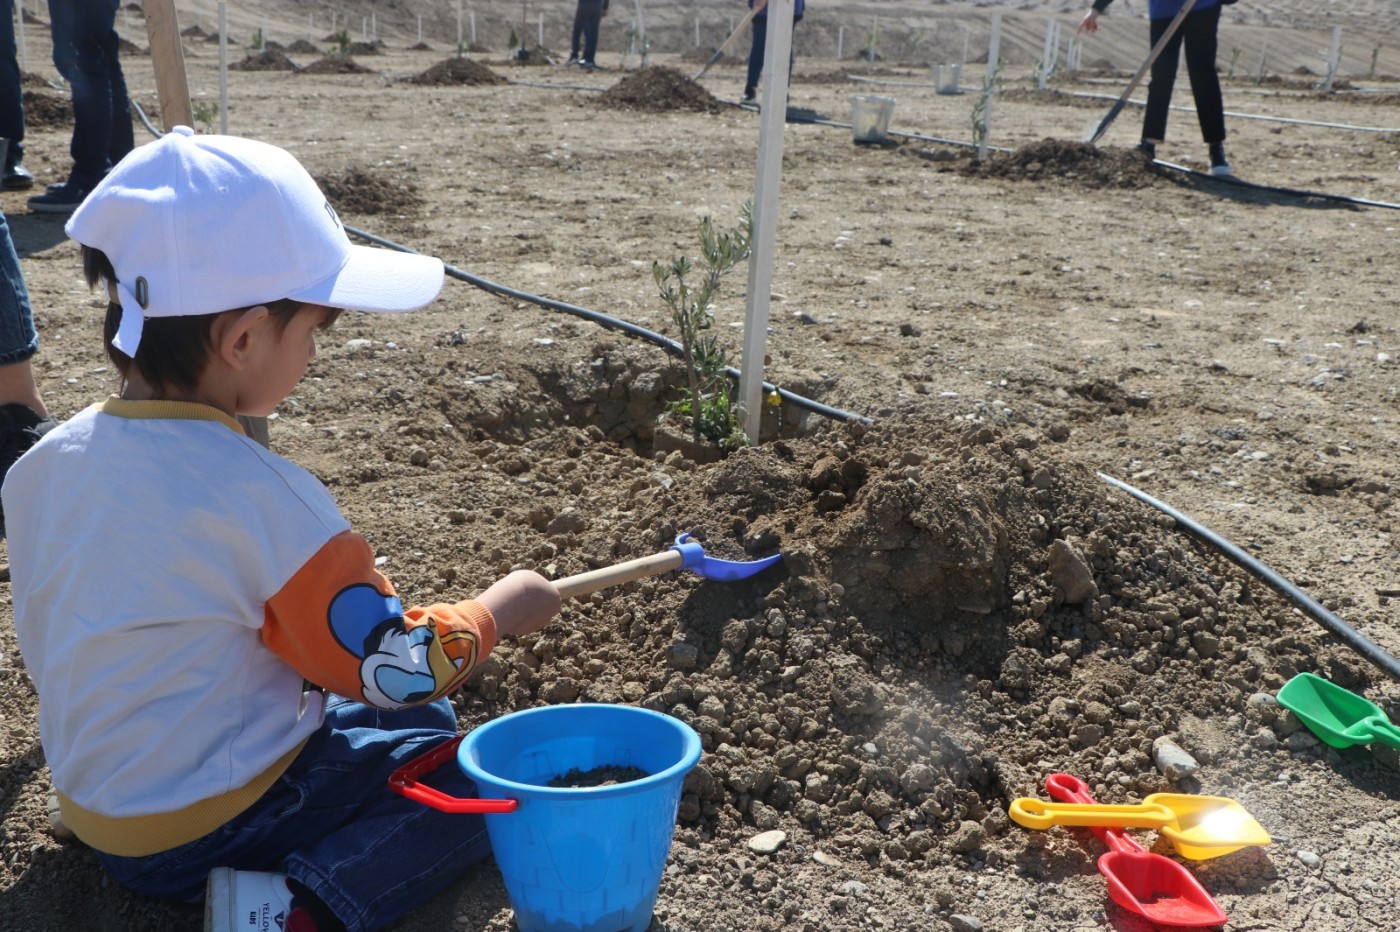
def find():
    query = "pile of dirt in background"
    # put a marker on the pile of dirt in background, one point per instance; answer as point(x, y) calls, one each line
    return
point(336, 64)
point(365, 48)
point(303, 47)
point(1081, 162)
point(47, 110)
point(1050, 95)
point(357, 191)
point(266, 60)
point(658, 89)
point(458, 71)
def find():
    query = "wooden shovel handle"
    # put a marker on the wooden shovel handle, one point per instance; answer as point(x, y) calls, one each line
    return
point(582, 584)
point(719, 52)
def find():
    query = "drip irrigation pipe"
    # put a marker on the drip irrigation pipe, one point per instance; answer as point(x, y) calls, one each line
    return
point(1245, 116)
point(1292, 192)
point(1345, 632)
point(612, 323)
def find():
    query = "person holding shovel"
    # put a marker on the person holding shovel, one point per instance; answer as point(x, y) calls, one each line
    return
point(226, 681)
point(1197, 34)
point(588, 16)
point(760, 39)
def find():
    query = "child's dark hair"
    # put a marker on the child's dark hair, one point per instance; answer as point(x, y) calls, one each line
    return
point(174, 350)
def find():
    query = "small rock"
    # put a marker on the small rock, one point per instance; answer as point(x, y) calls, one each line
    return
point(767, 842)
point(682, 656)
point(824, 859)
point(853, 888)
point(962, 923)
point(1310, 859)
point(1070, 573)
point(1172, 761)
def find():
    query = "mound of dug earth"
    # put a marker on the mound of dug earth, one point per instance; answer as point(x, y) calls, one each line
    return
point(356, 191)
point(457, 71)
point(336, 64)
point(266, 60)
point(658, 89)
point(1074, 161)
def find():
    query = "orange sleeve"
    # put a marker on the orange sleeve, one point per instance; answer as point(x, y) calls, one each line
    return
point(339, 623)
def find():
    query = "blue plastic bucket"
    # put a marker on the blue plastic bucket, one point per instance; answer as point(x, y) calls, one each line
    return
point(585, 859)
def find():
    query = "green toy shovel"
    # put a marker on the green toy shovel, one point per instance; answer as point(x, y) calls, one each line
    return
point(1338, 716)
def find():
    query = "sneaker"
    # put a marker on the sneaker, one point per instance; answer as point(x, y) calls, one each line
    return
point(1219, 165)
point(750, 96)
point(589, 66)
point(17, 178)
point(20, 428)
point(1148, 150)
point(573, 60)
point(61, 200)
point(235, 901)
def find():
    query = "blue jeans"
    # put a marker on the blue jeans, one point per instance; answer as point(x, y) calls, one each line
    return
point(332, 824)
point(11, 94)
point(18, 339)
point(85, 52)
point(756, 51)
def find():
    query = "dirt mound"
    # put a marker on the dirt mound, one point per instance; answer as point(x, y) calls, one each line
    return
point(533, 56)
point(1080, 162)
point(356, 191)
point(658, 89)
point(457, 71)
point(1034, 95)
point(336, 64)
point(30, 79)
point(366, 48)
point(303, 47)
point(46, 110)
point(266, 60)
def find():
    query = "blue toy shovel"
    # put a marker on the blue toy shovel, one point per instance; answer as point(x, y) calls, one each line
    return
point(684, 554)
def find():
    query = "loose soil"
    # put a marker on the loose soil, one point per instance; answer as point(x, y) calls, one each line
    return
point(963, 604)
point(598, 776)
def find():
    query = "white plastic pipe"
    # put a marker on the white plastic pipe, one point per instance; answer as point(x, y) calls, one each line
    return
point(223, 68)
point(1044, 78)
point(1332, 57)
point(840, 42)
point(993, 55)
point(540, 42)
point(776, 61)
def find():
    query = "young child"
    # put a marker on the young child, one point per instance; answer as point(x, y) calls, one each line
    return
point(226, 682)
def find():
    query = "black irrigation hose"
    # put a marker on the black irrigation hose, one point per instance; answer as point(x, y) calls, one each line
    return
point(614, 323)
point(1292, 192)
point(1349, 635)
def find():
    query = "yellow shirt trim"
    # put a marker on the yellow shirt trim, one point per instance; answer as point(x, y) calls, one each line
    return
point(168, 411)
point(139, 836)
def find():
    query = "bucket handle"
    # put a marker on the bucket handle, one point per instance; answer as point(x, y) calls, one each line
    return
point(404, 781)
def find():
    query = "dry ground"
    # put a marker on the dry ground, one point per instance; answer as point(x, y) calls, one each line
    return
point(924, 655)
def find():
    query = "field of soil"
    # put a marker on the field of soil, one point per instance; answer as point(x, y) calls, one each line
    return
point(964, 605)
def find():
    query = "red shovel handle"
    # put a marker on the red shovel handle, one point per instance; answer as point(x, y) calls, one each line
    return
point(1071, 789)
point(404, 781)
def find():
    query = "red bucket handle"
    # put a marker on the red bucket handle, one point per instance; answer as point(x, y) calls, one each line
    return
point(404, 781)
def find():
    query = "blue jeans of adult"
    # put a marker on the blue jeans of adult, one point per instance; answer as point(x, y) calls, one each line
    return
point(332, 824)
point(588, 16)
point(756, 50)
point(11, 91)
point(18, 339)
point(1197, 34)
point(85, 47)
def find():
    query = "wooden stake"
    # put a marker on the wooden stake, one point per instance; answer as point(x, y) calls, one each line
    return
point(168, 61)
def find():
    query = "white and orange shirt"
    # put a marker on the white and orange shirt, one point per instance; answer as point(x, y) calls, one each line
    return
point(183, 597)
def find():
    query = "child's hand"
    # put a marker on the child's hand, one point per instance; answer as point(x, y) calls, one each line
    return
point(521, 603)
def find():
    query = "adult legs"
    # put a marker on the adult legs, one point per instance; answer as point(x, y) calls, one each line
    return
point(575, 42)
point(1199, 38)
point(760, 39)
point(86, 55)
point(591, 26)
point(11, 93)
point(1159, 91)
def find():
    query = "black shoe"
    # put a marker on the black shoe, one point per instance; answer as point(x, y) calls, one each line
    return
point(589, 66)
point(1148, 150)
point(749, 97)
point(1219, 165)
point(61, 200)
point(573, 60)
point(20, 428)
point(17, 178)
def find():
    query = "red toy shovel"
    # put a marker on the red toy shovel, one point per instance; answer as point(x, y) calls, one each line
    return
point(1155, 887)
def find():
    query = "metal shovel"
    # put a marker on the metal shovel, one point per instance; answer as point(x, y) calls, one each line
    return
point(684, 554)
point(1155, 887)
point(1338, 716)
point(1199, 827)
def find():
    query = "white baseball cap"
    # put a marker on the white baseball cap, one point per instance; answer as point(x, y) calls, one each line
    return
point(202, 224)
